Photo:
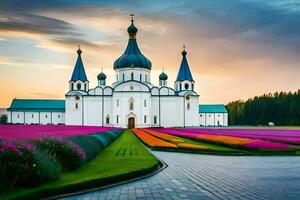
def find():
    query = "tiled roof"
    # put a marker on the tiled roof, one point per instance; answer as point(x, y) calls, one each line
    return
point(38, 105)
point(212, 108)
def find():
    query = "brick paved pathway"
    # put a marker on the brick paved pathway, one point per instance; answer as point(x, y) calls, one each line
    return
point(192, 176)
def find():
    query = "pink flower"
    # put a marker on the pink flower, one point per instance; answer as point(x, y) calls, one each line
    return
point(8, 146)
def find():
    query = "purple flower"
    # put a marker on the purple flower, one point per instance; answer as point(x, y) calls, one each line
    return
point(9, 146)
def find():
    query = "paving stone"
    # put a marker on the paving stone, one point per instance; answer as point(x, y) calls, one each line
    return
point(192, 176)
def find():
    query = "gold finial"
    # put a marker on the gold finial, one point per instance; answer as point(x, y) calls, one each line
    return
point(132, 17)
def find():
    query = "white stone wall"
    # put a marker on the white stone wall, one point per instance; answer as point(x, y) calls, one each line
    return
point(139, 74)
point(36, 117)
point(74, 114)
point(192, 114)
point(213, 119)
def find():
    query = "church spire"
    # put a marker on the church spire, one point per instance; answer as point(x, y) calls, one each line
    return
point(184, 73)
point(79, 72)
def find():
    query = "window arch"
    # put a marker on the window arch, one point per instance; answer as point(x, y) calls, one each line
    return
point(131, 104)
point(123, 77)
point(140, 77)
point(107, 119)
point(186, 86)
point(32, 116)
point(132, 76)
point(155, 119)
point(78, 86)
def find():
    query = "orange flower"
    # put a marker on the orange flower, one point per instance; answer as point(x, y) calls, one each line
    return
point(152, 141)
point(228, 140)
point(192, 146)
point(163, 136)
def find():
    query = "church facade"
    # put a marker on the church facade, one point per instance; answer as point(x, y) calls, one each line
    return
point(131, 101)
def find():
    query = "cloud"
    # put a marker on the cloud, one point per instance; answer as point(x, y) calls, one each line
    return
point(29, 23)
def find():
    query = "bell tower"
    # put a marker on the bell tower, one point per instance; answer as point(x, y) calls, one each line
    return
point(79, 79)
point(184, 80)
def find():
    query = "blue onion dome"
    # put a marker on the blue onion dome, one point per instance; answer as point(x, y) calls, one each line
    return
point(132, 57)
point(132, 30)
point(101, 76)
point(163, 76)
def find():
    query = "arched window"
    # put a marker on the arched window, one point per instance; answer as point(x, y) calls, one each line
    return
point(18, 116)
point(123, 77)
point(78, 86)
point(188, 105)
point(145, 77)
point(72, 86)
point(117, 102)
point(131, 104)
point(76, 106)
point(85, 86)
point(155, 119)
point(46, 116)
point(32, 116)
point(132, 75)
point(145, 103)
point(58, 116)
point(180, 86)
point(145, 119)
point(140, 77)
point(186, 86)
point(117, 119)
point(107, 119)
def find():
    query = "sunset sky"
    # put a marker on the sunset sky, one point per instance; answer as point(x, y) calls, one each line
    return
point(236, 48)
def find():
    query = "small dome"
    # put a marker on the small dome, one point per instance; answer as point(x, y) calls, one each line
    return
point(132, 29)
point(101, 76)
point(163, 76)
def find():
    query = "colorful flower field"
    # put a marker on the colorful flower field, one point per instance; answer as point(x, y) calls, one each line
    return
point(240, 139)
point(37, 131)
point(159, 140)
point(152, 141)
point(31, 155)
point(285, 136)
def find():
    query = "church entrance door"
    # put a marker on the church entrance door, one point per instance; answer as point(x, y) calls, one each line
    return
point(131, 122)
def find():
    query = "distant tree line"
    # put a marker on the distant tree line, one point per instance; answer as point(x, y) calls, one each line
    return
point(3, 119)
point(281, 108)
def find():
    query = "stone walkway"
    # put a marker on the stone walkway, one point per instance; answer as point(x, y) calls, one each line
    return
point(192, 176)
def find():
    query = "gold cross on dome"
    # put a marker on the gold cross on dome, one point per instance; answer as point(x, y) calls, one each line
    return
point(132, 17)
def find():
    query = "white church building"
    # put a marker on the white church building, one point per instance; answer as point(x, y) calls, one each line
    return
point(131, 101)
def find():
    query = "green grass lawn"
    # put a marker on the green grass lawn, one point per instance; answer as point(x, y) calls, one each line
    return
point(125, 158)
